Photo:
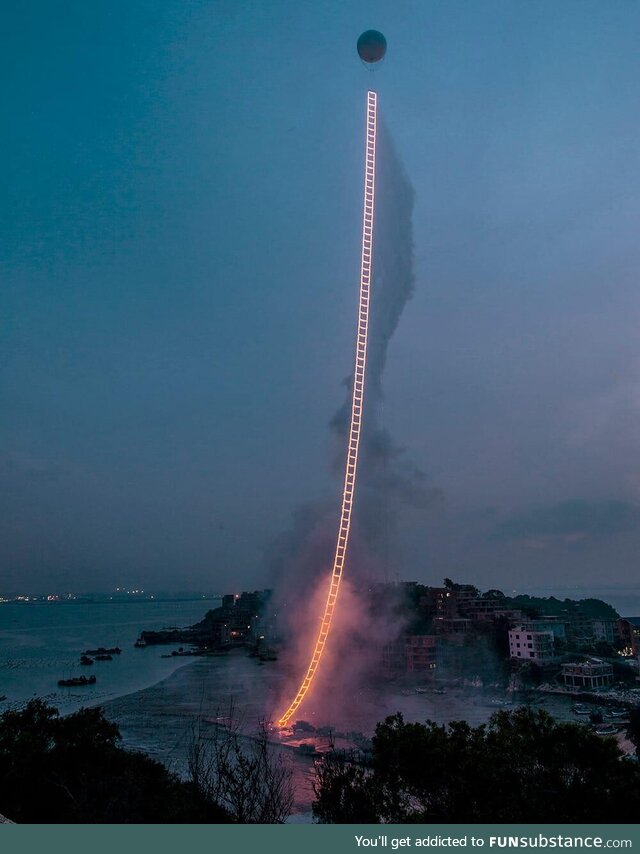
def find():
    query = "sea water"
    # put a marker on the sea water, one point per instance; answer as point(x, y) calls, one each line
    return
point(41, 643)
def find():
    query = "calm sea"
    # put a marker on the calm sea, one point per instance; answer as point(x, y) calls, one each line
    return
point(42, 642)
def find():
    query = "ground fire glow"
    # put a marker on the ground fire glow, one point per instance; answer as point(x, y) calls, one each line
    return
point(356, 412)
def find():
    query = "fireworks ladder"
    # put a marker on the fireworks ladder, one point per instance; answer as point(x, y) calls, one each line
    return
point(356, 408)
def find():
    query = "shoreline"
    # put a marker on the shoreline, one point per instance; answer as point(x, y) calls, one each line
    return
point(40, 644)
point(158, 719)
point(205, 685)
point(120, 696)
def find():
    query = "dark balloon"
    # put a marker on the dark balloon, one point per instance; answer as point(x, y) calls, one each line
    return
point(372, 46)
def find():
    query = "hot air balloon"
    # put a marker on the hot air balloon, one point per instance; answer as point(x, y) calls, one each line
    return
point(371, 46)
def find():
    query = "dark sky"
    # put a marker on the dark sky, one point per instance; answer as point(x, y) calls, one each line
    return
point(181, 200)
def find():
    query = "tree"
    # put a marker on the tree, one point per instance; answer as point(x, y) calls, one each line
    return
point(530, 674)
point(500, 638)
point(72, 769)
point(550, 606)
point(243, 773)
point(633, 729)
point(346, 791)
point(520, 767)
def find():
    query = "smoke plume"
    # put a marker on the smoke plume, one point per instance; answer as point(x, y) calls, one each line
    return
point(388, 484)
point(387, 479)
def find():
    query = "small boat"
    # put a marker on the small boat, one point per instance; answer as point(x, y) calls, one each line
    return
point(103, 650)
point(84, 659)
point(606, 729)
point(77, 681)
point(141, 642)
point(104, 657)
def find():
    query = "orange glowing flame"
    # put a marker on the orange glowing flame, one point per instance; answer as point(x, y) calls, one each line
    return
point(356, 410)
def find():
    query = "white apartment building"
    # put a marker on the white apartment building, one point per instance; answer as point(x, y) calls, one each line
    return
point(527, 645)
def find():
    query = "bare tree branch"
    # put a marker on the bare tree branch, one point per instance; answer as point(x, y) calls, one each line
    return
point(245, 774)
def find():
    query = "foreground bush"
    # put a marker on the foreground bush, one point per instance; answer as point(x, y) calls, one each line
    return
point(522, 766)
point(71, 769)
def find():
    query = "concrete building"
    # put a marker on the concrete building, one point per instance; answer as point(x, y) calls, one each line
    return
point(580, 629)
point(483, 608)
point(584, 631)
point(420, 653)
point(527, 645)
point(547, 624)
point(394, 659)
point(453, 627)
point(437, 602)
point(587, 674)
point(237, 620)
point(604, 630)
point(409, 654)
point(627, 634)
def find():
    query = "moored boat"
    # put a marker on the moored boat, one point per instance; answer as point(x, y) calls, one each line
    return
point(77, 681)
point(103, 650)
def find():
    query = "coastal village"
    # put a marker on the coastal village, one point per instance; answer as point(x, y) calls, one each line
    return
point(440, 654)
point(455, 635)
